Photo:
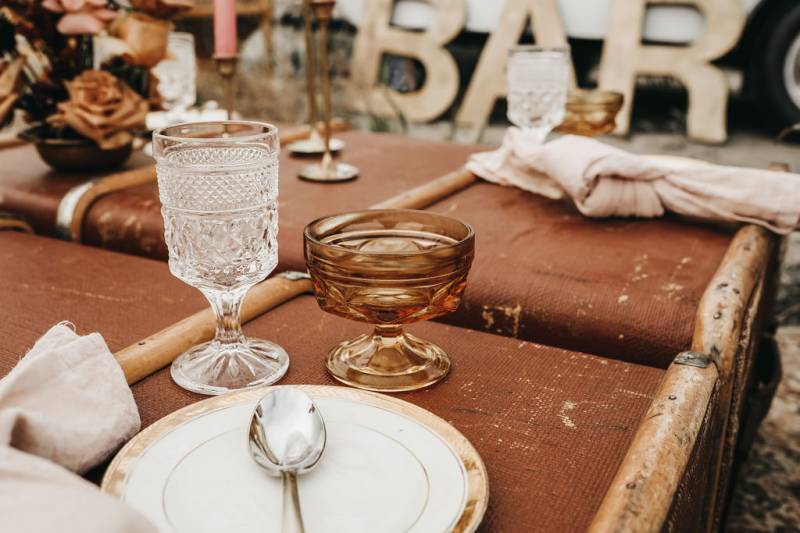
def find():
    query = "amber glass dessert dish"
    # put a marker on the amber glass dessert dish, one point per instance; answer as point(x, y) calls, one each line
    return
point(591, 112)
point(388, 268)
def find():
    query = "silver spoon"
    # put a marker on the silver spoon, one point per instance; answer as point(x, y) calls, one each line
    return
point(287, 436)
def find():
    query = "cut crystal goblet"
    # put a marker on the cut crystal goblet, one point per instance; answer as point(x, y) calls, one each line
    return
point(538, 79)
point(389, 268)
point(218, 184)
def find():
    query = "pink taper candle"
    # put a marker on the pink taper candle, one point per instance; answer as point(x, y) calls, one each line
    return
point(224, 28)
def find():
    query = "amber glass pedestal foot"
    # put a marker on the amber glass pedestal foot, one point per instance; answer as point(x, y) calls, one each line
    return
point(389, 360)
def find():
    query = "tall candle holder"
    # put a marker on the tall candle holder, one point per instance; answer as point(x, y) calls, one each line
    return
point(226, 68)
point(314, 144)
point(327, 170)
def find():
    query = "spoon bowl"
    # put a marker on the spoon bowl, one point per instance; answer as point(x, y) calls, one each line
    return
point(287, 437)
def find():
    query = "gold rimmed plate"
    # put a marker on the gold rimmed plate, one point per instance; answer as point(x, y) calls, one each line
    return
point(388, 466)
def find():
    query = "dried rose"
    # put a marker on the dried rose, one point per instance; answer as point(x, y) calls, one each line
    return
point(9, 76)
point(102, 108)
point(81, 16)
point(163, 8)
point(145, 37)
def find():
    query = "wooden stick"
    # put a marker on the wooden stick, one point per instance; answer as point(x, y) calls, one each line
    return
point(11, 142)
point(431, 192)
point(9, 221)
point(643, 490)
point(159, 350)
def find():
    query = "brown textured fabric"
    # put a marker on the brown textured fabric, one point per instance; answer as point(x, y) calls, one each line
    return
point(32, 190)
point(128, 221)
point(622, 288)
point(44, 281)
point(551, 425)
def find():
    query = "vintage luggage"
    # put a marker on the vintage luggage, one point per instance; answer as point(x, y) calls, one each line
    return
point(128, 219)
point(625, 289)
point(571, 440)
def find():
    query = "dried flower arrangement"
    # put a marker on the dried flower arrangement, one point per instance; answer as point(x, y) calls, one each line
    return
point(80, 69)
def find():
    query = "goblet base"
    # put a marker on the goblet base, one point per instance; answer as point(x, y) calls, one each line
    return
point(395, 363)
point(331, 173)
point(215, 368)
point(315, 146)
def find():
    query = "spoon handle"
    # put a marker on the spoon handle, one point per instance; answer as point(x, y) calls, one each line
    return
point(292, 517)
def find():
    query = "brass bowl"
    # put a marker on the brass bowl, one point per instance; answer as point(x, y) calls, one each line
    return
point(77, 155)
point(389, 268)
point(590, 112)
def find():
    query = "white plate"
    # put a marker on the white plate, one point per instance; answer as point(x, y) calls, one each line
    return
point(388, 466)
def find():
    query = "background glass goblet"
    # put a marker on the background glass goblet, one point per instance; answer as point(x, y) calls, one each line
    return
point(218, 184)
point(388, 268)
point(538, 80)
point(177, 74)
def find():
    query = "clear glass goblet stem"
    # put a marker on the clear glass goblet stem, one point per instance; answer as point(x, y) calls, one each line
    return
point(227, 306)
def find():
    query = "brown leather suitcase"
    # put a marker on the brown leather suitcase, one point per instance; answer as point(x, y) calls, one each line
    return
point(572, 441)
point(128, 217)
point(625, 289)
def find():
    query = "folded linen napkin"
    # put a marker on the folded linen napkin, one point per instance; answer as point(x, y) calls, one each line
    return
point(65, 407)
point(605, 181)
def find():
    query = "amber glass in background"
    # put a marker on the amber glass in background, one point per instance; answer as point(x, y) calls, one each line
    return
point(590, 112)
point(388, 268)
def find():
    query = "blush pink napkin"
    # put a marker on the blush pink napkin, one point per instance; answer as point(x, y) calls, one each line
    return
point(605, 181)
point(64, 408)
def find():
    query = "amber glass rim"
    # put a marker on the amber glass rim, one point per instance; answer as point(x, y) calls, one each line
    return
point(460, 243)
point(593, 97)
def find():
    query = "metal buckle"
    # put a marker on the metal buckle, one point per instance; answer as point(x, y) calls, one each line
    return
point(689, 358)
point(67, 206)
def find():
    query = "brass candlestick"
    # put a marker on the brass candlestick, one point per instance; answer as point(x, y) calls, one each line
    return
point(315, 144)
point(226, 67)
point(328, 169)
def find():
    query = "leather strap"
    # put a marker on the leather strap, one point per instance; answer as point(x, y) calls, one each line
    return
point(9, 221)
point(74, 205)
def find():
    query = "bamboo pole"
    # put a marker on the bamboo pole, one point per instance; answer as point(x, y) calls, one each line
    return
point(429, 193)
point(643, 490)
point(9, 221)
point(159, 350)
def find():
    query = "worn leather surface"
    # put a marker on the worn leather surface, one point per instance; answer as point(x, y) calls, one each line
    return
point(31, 189)
point(551, 425)
point(130, 221)
point(622, 288)
point(626, 289)
point(44, 281)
